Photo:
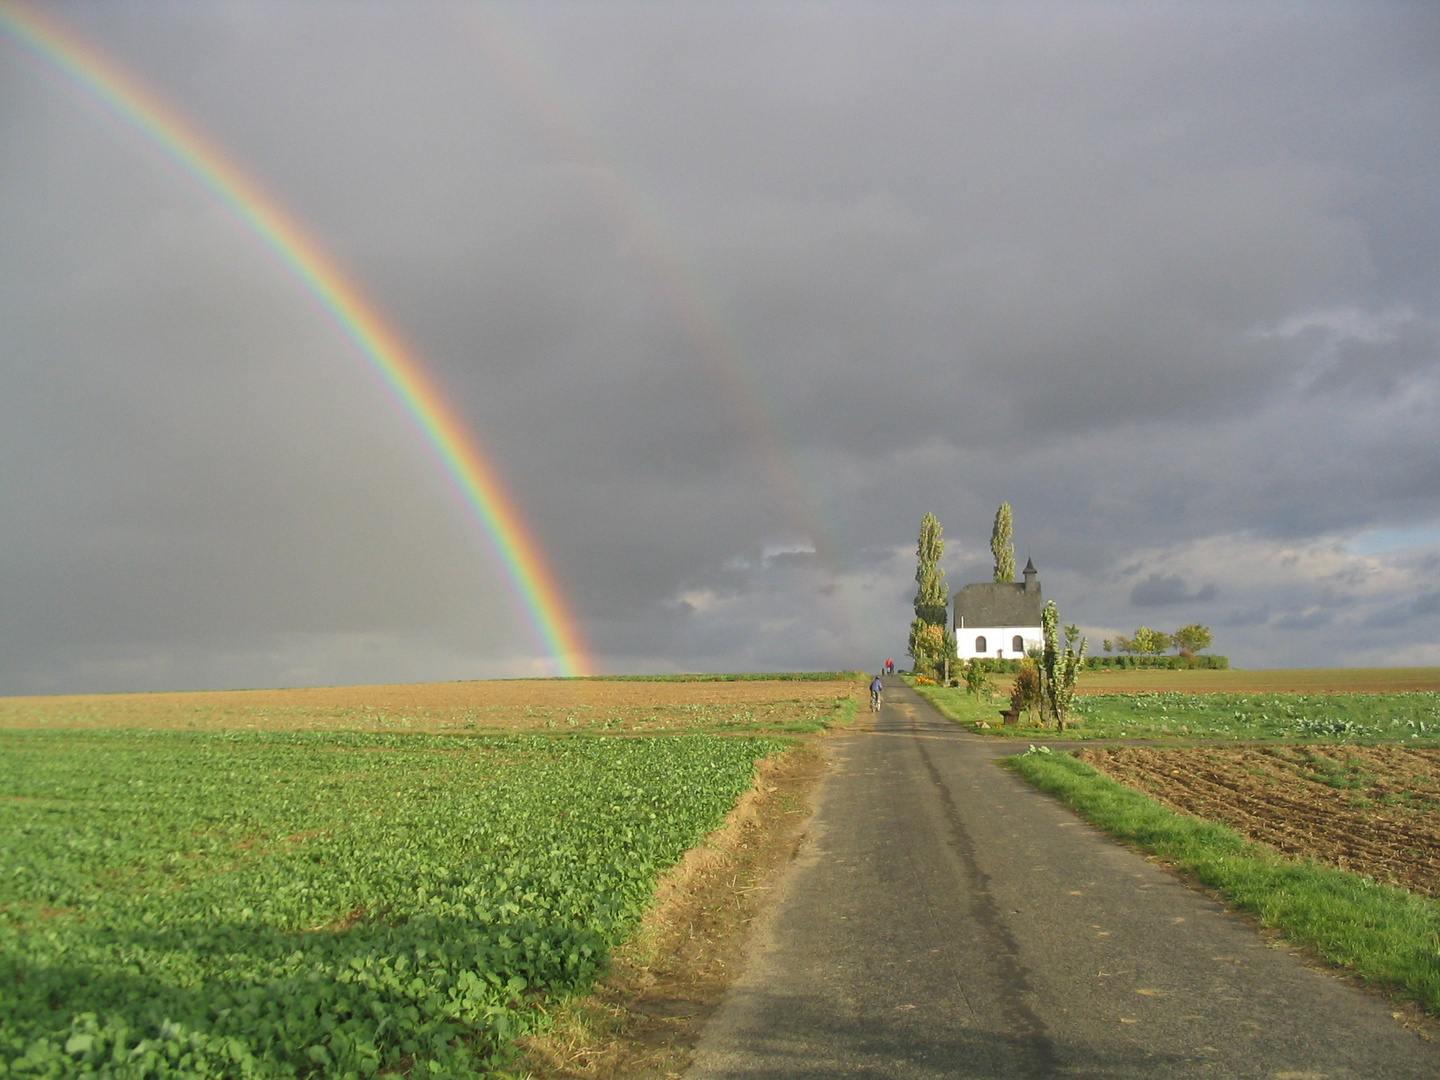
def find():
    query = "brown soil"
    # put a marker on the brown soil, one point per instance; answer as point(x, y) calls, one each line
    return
point(644, 1018)
point(1373, 810)
point(508, 705)
point(1282, 681)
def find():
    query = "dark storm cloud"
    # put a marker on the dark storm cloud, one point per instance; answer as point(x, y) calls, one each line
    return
point(1159, 590)
point(733, 295)
point(1406, 613)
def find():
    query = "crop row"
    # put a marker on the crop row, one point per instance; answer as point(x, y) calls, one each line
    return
point(1378, 716)
point(271, 904)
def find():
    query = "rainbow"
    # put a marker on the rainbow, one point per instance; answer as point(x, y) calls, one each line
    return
point(698, 311)
point(400, 369)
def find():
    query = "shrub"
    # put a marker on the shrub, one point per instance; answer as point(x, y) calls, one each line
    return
point(1058, 668)
point(1027, 694)
point(975, 678)
point(1161, 663)
point(991, 666)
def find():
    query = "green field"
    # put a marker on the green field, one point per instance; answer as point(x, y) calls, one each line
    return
point(1180, 715)
point(1261, 716)
point(324, 903)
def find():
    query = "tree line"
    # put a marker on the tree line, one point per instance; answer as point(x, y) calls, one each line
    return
point(1189, 640)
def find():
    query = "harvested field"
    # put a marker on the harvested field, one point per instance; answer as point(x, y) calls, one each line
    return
point(616, 707)
point(1373, 810)
point(1282, 681)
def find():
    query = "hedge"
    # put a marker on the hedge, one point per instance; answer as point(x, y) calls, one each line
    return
point(1163, 663)
point(1123, 663)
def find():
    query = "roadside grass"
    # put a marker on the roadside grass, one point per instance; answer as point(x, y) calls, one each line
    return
point(645, 1016)
point(963, 707)
point(1387, 936)
point(846, 709)
point(1413, 716)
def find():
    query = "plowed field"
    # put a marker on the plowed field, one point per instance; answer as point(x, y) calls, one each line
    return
point(1370, 809)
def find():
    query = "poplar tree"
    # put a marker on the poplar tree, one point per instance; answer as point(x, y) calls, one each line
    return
point(932, 599)
point(929, 637)
point(1000, 544)
point(1059, 668)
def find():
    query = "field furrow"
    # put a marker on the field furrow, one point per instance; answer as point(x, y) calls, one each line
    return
point(1373, 810)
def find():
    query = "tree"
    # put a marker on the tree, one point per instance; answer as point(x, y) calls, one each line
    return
point(927, 646)
point(1150, 641)
point(1059, 668)
point(948, 649)
point(1026, 693)
point(976, 681)
point(1124, 644)
point(931, 643)
point(932, 598)
point(1001, 546)
point(1192, 638)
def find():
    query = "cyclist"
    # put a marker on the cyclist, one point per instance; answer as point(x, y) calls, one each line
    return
point(875, 687)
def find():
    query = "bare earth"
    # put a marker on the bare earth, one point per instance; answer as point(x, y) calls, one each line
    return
point(1370, 809)
point(504, 705)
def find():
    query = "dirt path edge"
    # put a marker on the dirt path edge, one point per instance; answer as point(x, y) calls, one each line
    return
point(644, 1018)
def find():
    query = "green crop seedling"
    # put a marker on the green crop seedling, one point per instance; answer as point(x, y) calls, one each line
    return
point(324, 904)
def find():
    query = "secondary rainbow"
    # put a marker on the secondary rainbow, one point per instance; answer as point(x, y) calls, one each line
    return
point(400, 370)
point(698, 310)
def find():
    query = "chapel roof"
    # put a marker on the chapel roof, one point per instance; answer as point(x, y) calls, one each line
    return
point(997, 603)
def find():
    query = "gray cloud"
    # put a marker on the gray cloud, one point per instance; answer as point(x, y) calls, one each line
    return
point(1162, 590)
point(1307, 620)
point(711, 283)
point(1403, 614)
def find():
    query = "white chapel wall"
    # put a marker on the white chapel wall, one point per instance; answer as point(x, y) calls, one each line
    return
point(999, 641)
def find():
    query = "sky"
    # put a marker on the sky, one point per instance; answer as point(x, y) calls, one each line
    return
point(732, 295)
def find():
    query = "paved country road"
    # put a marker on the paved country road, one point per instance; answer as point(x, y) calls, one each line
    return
point(945, 920)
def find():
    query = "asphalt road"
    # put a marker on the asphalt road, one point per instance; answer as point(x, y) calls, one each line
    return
point(945, 920)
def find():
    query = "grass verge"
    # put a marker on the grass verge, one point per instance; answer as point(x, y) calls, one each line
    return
point(644, 1018)
point(1387, 936)
point(963, 707)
